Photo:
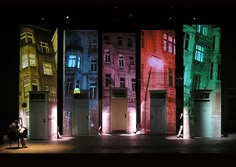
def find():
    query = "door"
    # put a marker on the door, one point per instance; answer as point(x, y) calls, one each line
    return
point(157, 112)
point(119, 114)
point(203, 119)
point(38, 116)
point(80, 115)
point(83, 117)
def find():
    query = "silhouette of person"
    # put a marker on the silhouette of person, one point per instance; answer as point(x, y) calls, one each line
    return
point(15, 132)
point(138, 128)
point(59, 136)
point(181, 126)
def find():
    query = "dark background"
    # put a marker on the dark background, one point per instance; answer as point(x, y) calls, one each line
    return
point(107, 15)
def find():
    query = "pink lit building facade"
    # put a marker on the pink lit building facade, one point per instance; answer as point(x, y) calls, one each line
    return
point(118, 75)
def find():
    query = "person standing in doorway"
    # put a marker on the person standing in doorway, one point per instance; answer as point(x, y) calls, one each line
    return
point(181, 126)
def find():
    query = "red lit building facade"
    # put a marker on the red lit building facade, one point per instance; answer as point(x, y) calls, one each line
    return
point(158, 91)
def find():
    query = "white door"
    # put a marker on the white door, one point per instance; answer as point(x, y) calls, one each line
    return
point(83, 117)
point(119, 114)
point(38, 120)
point(80, 117)
point(203, 119)
point(157, 112)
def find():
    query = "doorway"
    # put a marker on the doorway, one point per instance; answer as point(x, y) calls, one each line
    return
point(38, 115)
point(158, 112)
point(119, 107)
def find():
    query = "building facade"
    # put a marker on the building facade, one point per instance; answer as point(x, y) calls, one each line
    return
point(37, 68)
point(119, 72)
point(157, 70)
point(80, 73)
point(202, 78)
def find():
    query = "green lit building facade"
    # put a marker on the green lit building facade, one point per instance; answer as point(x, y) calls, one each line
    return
point(202, 82)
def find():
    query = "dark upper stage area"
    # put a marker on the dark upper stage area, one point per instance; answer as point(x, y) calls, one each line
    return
point(102, 11)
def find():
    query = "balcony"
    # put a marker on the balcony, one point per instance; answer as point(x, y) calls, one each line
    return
point(203, 40)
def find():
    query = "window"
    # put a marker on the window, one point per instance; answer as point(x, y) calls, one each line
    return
point(92, 43)
point(187, 38)
point(199, 28)
point(130, 44)
point(133, 84)
point(25, 61)
point(26, 90)
point(213, 42)
point(26, 38)
point(205, 30)
point(202, 29)
point(169, 43)
point(72, 61)
point(32, 60)
point(28, 60)
point(47, 69)
point(142, 39)
point(165, 45)
point(170, 47)
point(121, 61)
point(92, 90)
point(94, 65)
point(211, 71)
point(108, 80)
point(131, 60)
point(196, 82)
point(170, 77)
point(78, 61)
point(23, 38)
point(199, 53)
point(107, 56)
point(122, 82)
point(44, 47)
point(120, 43)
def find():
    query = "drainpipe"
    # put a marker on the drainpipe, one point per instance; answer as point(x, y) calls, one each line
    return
point(149, 75)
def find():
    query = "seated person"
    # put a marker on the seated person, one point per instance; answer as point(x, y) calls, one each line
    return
point(15, 133)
